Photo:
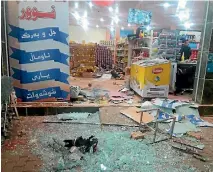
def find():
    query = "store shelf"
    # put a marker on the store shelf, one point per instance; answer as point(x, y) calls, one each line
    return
point(122, 55)
point(139, 48)
point(143, 38)
point(122, 49)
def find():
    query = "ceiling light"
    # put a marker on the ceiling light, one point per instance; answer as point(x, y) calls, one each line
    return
point(85, 24)
point(90, 4)
point(116, 20)
point(181, 4)
point(183, 14)
point(129, 24)
point(76, 15)
point(85, 13)
point(122, 28)
point(187, 25)
point(148, 28)
point(97, 26)
point(76, 5)
point(116, 9)
point(166, 5)
point(112, 23)
point(110, 9)
point(101, 19)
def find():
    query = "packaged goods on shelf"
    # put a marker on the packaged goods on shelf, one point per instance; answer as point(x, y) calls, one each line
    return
point(122, 53)
point(103, 57)
point(142, 47)
point(82, 59)
point(109, 43)
point(169, 44)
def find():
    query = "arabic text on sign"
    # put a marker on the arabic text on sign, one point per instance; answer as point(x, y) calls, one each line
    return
point(42, 94)
point(34, 14)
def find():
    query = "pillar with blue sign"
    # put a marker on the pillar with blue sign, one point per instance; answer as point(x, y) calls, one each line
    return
point(39, 49)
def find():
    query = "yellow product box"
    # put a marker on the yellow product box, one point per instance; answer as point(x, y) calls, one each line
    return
point(151, 78)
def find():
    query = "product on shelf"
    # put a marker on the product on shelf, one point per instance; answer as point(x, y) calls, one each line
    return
point(87, 58)
point(169, 44)
point(82, 59)
point(142, 47)
point(103, 57)
point(122, 53)
point(109, 43)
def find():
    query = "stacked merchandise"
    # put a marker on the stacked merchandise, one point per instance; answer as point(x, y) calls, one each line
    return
point(169, 44)
point(142, 46)
point(194, 49)
point(103, 57)
point(109, 43)
point(122, 54)
point(82, 59)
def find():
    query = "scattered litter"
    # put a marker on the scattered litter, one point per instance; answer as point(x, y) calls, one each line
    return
point(200, 157)
point(196, 135)
point(198, 121)
point(124, 90)
point(147, 105)
point(130, 101)
point(137, 135)
point(194, 106)
point(164, 115)
point(84, 145)
point(185, 142)
point(103, 167)
point(205, 124)
point(117, 152)
point(106, 77)
point(195, 154)
point(90, 85)
point(73, 116)
point(130, 93)
point(182, 128)
point(74, 91)
point(168, 103)
point(118, 96)
point(21, 133)
point(76, 154)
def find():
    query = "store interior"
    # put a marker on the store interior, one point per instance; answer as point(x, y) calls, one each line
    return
point(106, 50)
point(107, 86)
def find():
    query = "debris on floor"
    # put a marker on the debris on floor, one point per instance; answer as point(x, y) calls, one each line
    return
point(116, 151)
point(193, 144)
point(196, 135)
point(84, 145)
point(73, 116)
point(182, 128)
point(191, 151)
point(135, 114)
point(137, 135)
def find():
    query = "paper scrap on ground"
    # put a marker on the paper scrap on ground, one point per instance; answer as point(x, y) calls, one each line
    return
point(135, 115)
point(198, 121)
point(168, 103)
point(182, 128)
point(164, 115)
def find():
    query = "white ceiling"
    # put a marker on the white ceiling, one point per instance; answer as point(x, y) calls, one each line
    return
point(162, 17)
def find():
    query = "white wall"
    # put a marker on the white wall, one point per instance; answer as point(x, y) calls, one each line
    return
point(78, 34)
